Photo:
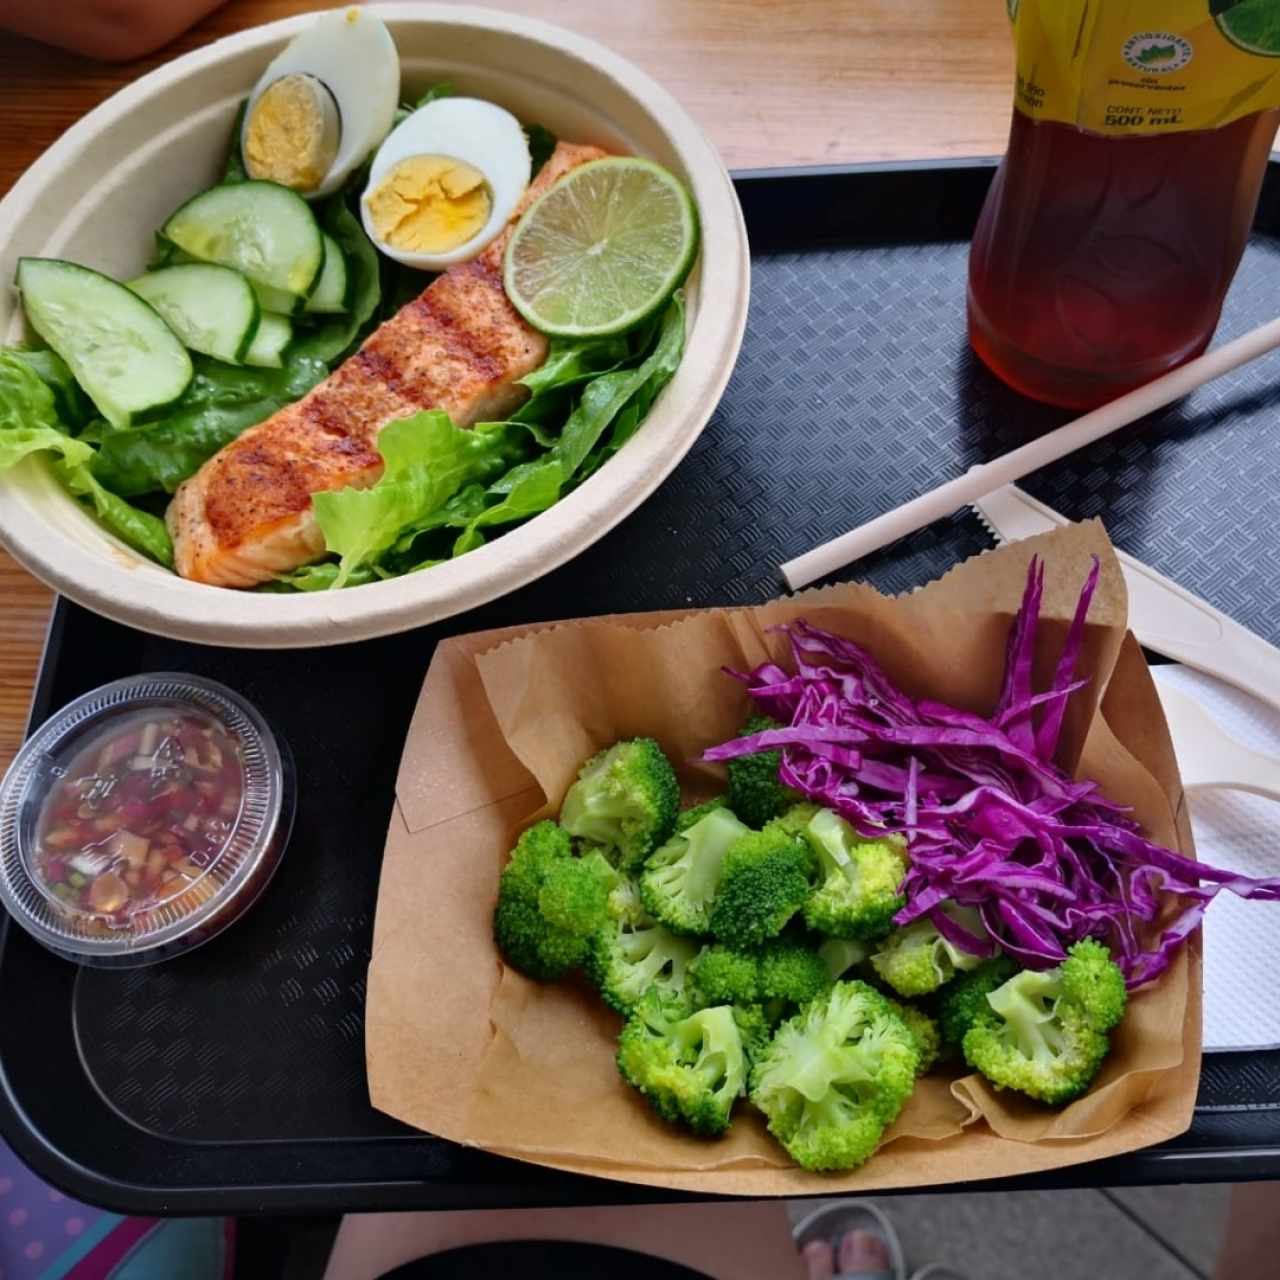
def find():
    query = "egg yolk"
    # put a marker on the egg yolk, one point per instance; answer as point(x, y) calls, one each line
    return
point(429, 204)
point(291, 136)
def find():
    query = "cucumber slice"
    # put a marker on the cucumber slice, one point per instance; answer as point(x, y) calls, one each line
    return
point(331, 294)
point(274, 334)
point(212, 309)
point(283, 304)
point(328, 294)
point(129, 362)
point(263, 230)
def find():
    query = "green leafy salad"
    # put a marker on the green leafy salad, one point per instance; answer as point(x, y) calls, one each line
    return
point(229, 348)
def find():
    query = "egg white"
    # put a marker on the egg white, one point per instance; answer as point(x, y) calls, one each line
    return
point(352, 54)
point(476, 132)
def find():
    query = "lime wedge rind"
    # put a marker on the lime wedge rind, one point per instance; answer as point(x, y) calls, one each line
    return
point(603, 249)
point(1249, 15)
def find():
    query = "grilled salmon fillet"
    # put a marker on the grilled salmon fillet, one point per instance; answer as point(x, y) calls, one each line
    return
point(459, 346)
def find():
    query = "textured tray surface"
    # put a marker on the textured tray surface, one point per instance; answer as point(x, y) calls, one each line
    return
point(855, 391)
point(856, 365)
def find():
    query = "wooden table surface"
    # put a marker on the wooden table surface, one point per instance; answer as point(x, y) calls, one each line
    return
point(774, 82)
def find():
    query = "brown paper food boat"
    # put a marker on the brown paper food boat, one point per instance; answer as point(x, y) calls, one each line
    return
point(463, 1047)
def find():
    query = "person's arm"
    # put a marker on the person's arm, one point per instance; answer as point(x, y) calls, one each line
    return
point(112, 30)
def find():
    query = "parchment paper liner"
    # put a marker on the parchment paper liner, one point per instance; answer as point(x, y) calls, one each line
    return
point(462, 1047)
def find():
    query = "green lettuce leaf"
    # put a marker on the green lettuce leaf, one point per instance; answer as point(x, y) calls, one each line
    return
point(29, 419)
point(625, 425)
point(441, 89)
point(318, 577)
point(542, 437)
point(542, 142)
point(165, 254)
point(73, 408)
point(29, 424)
point(604, 397)
point(570, 362)
point(525, 491)
point(628, 421)
point(222, 401)
point(140, 529)
point(427, 460)
point(430, 540)
point(233, 169)
point(457, 513)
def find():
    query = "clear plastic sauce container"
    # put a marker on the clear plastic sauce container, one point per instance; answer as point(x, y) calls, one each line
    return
point(143, 819)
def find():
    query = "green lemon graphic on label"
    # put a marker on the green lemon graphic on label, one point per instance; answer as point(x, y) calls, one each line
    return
point(1251, 25)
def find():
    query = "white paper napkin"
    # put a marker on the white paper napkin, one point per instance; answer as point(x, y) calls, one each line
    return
point(1240, 832)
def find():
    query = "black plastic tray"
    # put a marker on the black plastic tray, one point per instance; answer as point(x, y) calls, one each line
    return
point(233, 1079)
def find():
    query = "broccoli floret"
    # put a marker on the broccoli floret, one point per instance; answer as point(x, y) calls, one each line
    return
point(795, 819)
point(924, 1030)
point(528, 943)
point(692, 1069)
point(780, 974)
point(755, 792)
point(624, 902)
point(538, 848)
point(682, 877)
point(725, 975)
point(756, 1028)
point(764, 881)
point(791, 972)
point(1045, 1034)
point(917, 959)
point(857, 894)
point(687, 817)
point(841, 954)
point(627, 960)
point(625, 801)
point(834, 1076)
point(1092, 980)
point(575, 893)
point(963, 1001)
point(549, 904)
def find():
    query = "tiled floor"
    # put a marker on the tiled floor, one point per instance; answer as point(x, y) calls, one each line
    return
point(1146, 1233)
point(1188, 1221)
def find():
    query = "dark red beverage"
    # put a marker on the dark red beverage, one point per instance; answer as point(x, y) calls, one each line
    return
point(1100, 263)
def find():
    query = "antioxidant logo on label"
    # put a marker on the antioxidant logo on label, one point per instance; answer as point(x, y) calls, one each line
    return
point(1156, 51)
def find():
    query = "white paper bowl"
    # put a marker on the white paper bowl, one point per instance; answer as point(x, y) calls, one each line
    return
point(96, 196)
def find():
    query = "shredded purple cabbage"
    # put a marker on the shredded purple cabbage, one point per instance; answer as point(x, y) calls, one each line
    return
point(991, 821)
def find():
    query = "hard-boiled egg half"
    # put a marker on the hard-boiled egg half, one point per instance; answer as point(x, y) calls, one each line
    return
point(323, 105)
point(445, 183)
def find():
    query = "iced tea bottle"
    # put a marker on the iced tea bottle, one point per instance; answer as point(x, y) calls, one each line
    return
point(1119, 214)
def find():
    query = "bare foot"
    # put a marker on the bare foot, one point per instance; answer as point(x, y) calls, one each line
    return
point(858, 1252)
point(819, 1260)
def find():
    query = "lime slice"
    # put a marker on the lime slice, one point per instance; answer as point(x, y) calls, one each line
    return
point(603, 249)
point(1252, 25)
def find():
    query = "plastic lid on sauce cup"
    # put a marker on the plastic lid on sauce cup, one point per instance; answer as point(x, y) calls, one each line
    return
point(221, 862)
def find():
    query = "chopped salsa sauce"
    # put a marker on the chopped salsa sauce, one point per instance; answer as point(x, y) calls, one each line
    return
point(141, 813)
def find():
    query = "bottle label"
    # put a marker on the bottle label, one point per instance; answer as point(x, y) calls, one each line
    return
point(1146, 66)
